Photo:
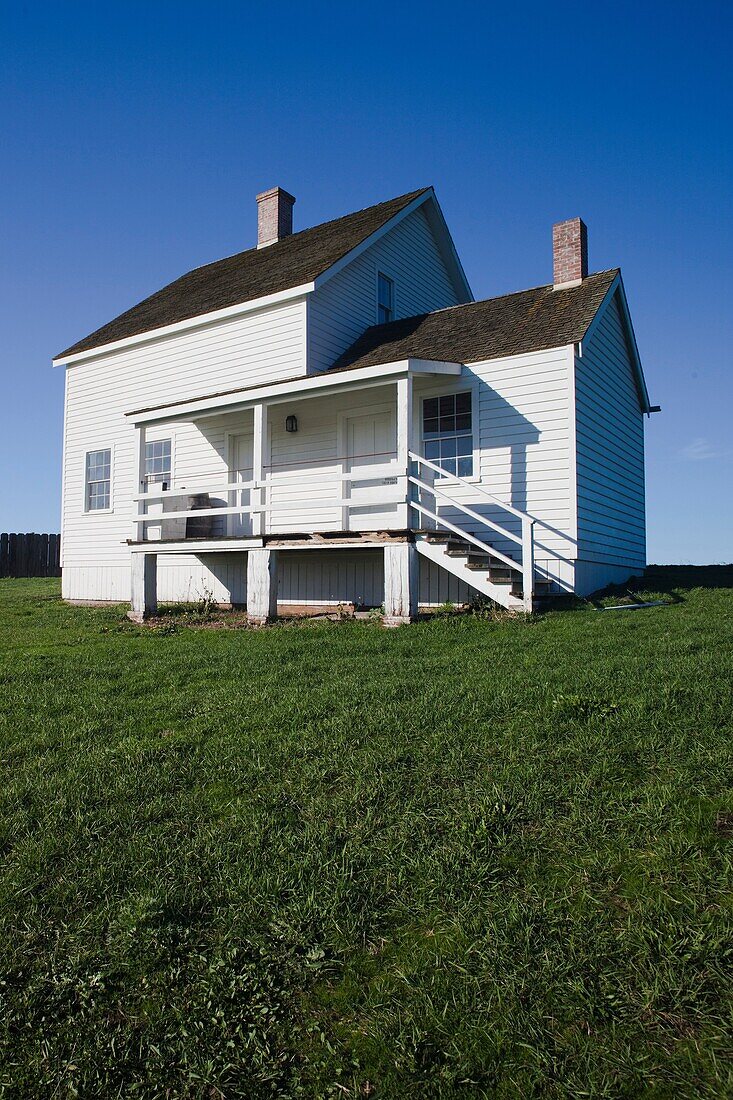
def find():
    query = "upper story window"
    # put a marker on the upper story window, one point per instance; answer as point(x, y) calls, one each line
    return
point(98, 492)
point(158, 462)
point(447, 429)
point(385, 299)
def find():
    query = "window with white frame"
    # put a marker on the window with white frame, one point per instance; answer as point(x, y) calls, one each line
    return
point(385, 299)
point(98, 493)
point(447, 428)
point(158, 462)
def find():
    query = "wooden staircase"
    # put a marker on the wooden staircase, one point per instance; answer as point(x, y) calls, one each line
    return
point(482, 572)
point(470, 557)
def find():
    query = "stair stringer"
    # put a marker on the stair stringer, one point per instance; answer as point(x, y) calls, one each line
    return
point(499, 593)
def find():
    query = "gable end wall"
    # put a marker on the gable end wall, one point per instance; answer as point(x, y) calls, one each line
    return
point(346, 305)
point(609, 450)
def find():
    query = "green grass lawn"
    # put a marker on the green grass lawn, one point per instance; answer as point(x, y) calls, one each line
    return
point(465, 858)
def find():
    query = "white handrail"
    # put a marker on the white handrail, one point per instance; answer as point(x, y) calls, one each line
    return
point(473, 488)
point(468, 511)
point(527, 538)
point(270, 482)
point(292, 505)
point(465, 535)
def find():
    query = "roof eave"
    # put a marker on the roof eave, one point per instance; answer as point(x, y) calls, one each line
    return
point(287, 389)
point(203, 319)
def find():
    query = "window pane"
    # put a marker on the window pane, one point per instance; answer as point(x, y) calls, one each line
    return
point(158, 460)
point(385, 298)
point(98, 467)
point(385, 291)
point(447, 436)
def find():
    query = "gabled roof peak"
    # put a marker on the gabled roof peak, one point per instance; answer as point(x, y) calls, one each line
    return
point(255, 273)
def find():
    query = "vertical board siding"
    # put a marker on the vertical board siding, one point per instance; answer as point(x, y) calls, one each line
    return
point(341, 310)
point(30, 555)
point(610, 449)
point(182, 578)
point(311, 577)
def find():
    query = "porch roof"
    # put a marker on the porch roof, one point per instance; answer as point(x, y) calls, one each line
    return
point(303, 386)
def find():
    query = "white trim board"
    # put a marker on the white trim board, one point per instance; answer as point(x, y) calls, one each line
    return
point(316, 384)
point(186, 325)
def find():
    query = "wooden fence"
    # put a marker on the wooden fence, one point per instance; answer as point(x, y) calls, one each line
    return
point(30, 555)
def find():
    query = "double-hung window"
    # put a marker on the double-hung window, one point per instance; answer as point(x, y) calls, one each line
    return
point(98, 491)
point(447, 429)
point(385, 299)
point(158, 462)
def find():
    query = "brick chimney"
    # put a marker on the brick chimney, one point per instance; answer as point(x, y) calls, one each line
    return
point(569, 252)
point(274, 216)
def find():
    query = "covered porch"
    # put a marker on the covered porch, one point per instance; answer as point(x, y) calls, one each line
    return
point(325, 462)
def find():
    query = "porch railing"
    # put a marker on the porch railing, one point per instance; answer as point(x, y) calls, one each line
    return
point(392, 491)
point(437, 488)
point(400, 486)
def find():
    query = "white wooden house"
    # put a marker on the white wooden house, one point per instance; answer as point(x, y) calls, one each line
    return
point(330, 418)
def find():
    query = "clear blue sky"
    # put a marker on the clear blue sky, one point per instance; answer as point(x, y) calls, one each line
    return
point(135, 136)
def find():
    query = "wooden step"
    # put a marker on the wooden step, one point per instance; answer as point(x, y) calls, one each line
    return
point(438, 536)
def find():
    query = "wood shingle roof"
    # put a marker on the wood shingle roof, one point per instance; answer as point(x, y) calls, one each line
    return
point(297, 259)
point(530, 320)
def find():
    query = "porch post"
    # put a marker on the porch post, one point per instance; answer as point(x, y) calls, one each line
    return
point(261, 585)
point(401, 576)
point(528, 564)
point(143, 586)
point(138, 527)
point(404, 441)
point(259, 463)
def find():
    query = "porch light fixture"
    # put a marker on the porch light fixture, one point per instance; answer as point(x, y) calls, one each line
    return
point(291, 423)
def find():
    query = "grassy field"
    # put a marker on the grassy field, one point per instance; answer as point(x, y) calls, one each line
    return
point(466, 858)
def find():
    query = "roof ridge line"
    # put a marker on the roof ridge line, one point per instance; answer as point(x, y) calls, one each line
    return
point(308, 229)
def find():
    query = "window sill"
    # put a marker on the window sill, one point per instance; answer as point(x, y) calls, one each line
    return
point(98, 512)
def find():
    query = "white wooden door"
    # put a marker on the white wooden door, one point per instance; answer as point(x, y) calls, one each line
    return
point(371, 440)
point(240, 470)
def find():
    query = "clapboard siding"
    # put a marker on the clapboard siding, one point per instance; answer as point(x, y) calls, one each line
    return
point(346, 305)
point(524, 424)
point(266, 345)
point(610, 449)
point(316, 452)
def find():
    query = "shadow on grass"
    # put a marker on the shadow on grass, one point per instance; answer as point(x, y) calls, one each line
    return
point(658, 581)
point(667, 581)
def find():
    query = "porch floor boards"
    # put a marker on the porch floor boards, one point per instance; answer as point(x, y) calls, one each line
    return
point(286, 541)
